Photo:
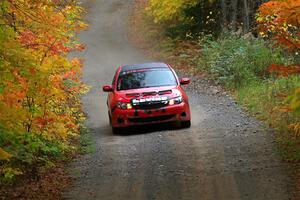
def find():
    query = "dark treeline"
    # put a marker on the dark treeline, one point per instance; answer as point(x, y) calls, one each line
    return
point(217, 16)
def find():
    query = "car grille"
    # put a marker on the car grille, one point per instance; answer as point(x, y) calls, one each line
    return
point(151, 119)
point(150, 105)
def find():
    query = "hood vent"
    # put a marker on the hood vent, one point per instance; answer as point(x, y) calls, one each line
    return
point(132, 95)
point(149, 93)
point(164, 92)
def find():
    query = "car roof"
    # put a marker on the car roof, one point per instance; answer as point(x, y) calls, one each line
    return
point(143, 66)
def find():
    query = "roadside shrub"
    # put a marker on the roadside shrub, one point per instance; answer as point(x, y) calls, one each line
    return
point(236, 61)
point(28, 152)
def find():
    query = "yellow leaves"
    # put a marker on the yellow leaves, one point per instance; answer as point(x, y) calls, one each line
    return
point(295, 128)
point(168, 10)
point(60, 130)
point(9, 171)
point(85, 89)
point(76, 63)
point(4, 155)
point(57, 94)
point(12, 118)
point(8, 174)
point(40, 86)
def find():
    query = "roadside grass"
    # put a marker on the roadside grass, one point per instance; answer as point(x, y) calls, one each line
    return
point(239, 63)
point(87, 145)
point(266, 100)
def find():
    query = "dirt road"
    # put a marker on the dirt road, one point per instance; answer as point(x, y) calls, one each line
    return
point(224, 155)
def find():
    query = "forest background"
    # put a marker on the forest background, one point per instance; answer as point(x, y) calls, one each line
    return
point(251, 48)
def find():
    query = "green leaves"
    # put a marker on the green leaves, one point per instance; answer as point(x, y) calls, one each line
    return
point(236, 61)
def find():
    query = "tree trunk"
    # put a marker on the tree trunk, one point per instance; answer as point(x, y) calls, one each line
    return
point(234, 22)
point(224, 15)
point(246, 20)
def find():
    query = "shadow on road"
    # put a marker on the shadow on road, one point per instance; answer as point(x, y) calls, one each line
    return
point(148, 129)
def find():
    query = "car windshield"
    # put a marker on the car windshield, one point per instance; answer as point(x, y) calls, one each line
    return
point(144, 78)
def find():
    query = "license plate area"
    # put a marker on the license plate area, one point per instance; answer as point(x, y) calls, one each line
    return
point(150, 102)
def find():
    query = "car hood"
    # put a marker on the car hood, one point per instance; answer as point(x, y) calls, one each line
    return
point(169, 91)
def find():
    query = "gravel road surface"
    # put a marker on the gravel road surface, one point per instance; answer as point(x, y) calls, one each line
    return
point(224, 155)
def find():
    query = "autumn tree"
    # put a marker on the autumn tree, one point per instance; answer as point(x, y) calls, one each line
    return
point(40, 85)
point(280, 21)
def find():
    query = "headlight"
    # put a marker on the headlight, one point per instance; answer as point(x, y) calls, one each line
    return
point(176, 100)
point(124, 106)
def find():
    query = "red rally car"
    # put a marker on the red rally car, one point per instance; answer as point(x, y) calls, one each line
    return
point(145, 94)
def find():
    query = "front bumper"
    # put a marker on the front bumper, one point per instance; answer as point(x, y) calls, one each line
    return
point(132, 117)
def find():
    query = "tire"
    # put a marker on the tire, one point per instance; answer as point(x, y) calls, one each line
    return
point(116, 131)
point(109, 118)
point(186, 124)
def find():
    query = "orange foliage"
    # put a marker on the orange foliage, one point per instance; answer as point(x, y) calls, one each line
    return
point(40, 86)
point(284, 71)
point(280, 20)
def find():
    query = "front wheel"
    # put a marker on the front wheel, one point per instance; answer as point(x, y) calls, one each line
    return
point(109, 117)
point(186, 124)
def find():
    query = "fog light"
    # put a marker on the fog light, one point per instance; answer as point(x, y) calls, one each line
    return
point(124, 106)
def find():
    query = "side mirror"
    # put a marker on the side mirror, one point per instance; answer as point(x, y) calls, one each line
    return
point(184, 81)
point(107, 88)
